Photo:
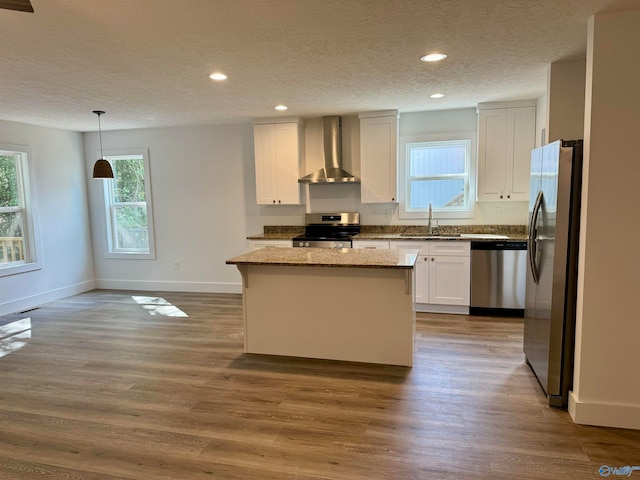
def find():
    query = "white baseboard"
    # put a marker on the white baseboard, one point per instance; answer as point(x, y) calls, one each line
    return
point(604, 414)
point(429, 308)
point(33, 301)
point(162, 286)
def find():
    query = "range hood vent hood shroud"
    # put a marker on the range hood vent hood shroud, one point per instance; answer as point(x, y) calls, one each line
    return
point(332, 171)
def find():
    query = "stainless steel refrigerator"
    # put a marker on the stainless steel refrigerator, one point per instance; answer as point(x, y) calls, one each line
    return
point(552, 267)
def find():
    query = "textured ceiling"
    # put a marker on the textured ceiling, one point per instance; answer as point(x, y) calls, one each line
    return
point(146, 62)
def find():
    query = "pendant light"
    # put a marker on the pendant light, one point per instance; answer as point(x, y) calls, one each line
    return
point(102, 168)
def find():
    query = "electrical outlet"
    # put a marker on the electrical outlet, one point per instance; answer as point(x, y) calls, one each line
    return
point(497, 212)
point(176, 265)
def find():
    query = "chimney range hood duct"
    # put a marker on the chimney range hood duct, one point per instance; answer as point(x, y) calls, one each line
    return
point(332, 171)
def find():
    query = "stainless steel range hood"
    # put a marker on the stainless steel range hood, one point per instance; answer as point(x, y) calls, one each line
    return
point(332, 171)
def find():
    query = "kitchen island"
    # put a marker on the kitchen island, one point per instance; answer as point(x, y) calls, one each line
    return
point(337, 304)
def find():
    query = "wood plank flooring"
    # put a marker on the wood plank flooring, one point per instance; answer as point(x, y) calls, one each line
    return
point(102, 387)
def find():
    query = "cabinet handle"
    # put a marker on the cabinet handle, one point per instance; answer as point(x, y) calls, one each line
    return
point(433, 259)
point(274, 201)
point(508, 196)
point(279, 201)
point(501, 196)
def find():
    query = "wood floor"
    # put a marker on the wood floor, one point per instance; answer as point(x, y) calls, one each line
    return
point(103, 387)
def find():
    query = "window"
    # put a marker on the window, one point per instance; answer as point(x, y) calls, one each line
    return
point(127, 199)
point(437, 172)
point(17, 235)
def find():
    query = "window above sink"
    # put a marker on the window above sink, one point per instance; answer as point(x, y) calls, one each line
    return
point(437, 170)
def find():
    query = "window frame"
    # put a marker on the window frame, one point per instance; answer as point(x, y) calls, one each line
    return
point(108, 191)
point(406, 213)
point(28, 198)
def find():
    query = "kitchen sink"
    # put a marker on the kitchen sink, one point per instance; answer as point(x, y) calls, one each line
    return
point(429, 235)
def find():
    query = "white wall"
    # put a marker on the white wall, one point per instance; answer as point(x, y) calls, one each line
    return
point(462, 120)
point(346, 197)
point(57, 160)
point(203, 184)
point(541, 120)
point(565, 97)
point(203, 188)
point(606, 389)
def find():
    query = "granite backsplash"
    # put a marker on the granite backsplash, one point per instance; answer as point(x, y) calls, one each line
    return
point(417, 229)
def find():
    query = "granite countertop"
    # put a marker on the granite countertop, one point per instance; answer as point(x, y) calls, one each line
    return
point(441, 237)
point(274, 236)
point(412, 233)
point(327, 257)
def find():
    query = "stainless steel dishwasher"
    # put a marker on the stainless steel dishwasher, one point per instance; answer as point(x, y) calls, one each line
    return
point(498, 278)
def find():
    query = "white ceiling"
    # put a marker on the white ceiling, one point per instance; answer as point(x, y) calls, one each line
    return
point(146, 62)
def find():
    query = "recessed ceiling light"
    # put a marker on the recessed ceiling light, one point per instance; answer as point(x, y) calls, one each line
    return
point(281, 107)
point(218, 76)
point(433, 57)
point(437, 95)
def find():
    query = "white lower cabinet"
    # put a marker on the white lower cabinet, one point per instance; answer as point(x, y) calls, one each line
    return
point(421, 289)
point(449, 280)
point(442, 275)
point(256, 244)
point(421, 270)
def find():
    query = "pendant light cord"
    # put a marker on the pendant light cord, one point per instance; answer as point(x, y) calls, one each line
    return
point(99, 113)
point(100, 133)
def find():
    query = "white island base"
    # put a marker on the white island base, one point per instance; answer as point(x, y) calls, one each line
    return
point(336, 313)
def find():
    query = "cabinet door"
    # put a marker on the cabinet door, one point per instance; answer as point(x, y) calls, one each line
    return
point(421, 282)
point(287, 157)
point(506, 137)
point(378, 158)
point(449, 280)
point(264, 143)
point(520, 141)
point(492, 154)
point(420, 270)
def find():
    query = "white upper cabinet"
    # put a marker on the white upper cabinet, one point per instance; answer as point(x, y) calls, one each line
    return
point(279, 156)
point(378, 156)
point(506, 136)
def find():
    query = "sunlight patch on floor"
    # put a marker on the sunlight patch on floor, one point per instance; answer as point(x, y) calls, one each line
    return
point(14, 336)
point(158, 306)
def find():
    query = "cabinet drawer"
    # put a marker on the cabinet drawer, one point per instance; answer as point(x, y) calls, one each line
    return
point(450, 248)
point(422, 247)
point(256, 244)
point(371, 244)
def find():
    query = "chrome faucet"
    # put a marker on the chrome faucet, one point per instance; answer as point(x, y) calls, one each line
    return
point(430, 219)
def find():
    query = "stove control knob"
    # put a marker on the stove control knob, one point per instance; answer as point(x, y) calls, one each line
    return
point(301, 244)
point(306, 244)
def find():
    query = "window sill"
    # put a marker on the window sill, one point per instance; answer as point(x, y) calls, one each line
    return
point(131, 256)
point(462, 214)
point(20, 268)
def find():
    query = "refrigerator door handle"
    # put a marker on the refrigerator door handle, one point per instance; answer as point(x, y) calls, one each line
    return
point(533, 238)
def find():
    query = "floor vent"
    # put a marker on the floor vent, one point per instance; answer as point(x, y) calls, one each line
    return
point(30, 310)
